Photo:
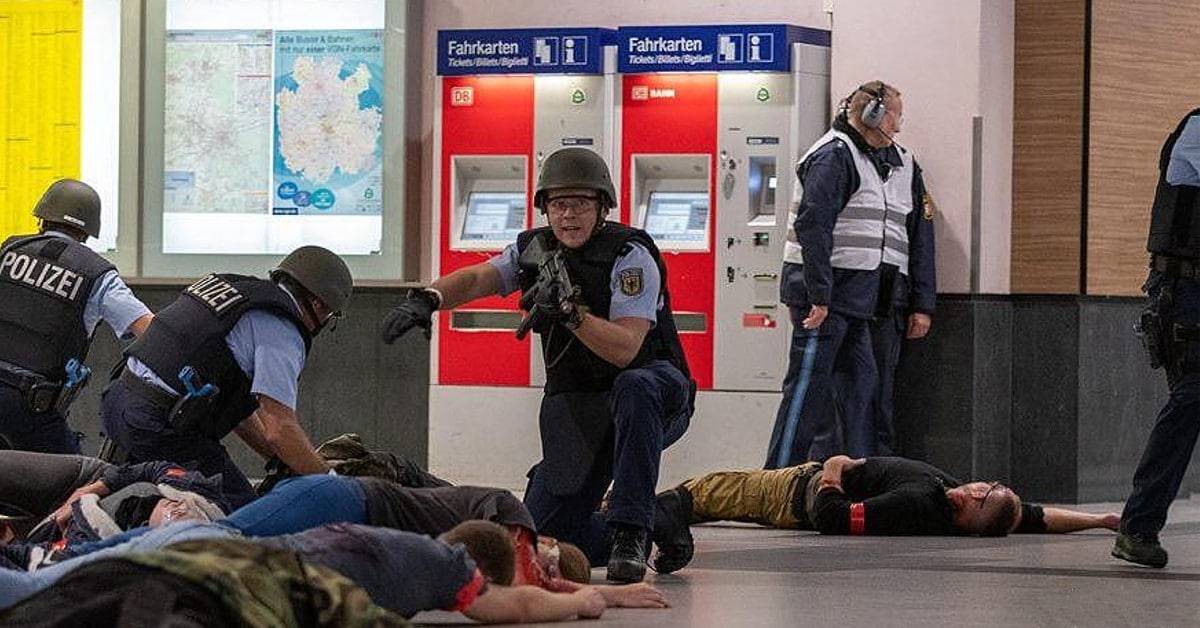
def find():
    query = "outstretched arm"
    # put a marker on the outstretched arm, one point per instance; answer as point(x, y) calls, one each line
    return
point(528, 604)
point(636, 595)
point(1062, 520)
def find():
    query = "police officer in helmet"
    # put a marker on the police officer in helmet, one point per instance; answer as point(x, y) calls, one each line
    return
point(617, 386)
point(54, 291)
point(226, 356)
point(1170, 329)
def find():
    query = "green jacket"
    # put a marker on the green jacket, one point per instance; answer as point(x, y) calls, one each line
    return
point(269, 587)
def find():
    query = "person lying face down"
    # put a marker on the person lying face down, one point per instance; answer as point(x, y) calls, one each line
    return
point(872, 496)
point(304, 502)
point(469, 569)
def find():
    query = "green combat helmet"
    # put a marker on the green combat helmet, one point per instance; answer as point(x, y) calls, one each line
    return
point(72, 203)
point(321, 272)
point(575, 168)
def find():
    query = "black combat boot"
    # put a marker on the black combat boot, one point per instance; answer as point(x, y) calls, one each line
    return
point(627, 562)
point(1140, 549)
point(672, 533)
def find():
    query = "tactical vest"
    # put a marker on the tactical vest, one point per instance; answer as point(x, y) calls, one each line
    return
point(191, 332)
point(873, 226)
point(1174, 229)
point(45, 283)
point(571, 366)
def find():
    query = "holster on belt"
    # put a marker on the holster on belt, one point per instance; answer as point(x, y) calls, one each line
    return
point(40, 392)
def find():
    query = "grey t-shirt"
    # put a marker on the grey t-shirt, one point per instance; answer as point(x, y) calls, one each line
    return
point(403, 572)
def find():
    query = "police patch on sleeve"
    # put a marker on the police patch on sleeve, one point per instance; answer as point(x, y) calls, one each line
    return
point(930, 208)
point(631, 282)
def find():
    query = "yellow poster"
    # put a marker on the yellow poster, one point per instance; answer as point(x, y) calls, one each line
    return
point(40, 67)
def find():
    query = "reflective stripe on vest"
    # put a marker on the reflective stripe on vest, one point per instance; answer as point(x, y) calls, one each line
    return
point(872, 227)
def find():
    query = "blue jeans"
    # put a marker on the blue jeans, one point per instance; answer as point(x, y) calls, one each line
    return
point(300, 503)
point(1169, 448)
point(830, 375)
point(651, 409)
point(46, 432)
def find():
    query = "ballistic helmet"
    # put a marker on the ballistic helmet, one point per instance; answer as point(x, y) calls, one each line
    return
point(575, 168)
point(321, 272)
point(72, 203)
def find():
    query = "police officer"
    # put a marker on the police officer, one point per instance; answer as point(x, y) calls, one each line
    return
point(1170, 328)
point(226, 356)
point(858, 272)
point(54, 290)
point(617, 389)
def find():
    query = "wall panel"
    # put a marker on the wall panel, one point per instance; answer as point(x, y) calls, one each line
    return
point(1144, 64)
point(1047, 146)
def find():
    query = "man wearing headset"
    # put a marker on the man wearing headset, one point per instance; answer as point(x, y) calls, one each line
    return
point(858, 274)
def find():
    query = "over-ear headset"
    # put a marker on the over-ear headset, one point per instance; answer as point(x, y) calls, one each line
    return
point(874, 111)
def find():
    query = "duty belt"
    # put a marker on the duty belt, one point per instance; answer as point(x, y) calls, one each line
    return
point(1177, 266)
point(20, 378)
point(162, 399)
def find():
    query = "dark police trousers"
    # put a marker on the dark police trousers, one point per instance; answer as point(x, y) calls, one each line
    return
point(46, 432)
point(651, 409)
point(830, 377)
point(140, 427)
point(887, 339)
point(1169, 449)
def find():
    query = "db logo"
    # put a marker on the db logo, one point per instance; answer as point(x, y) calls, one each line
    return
point(640, 92)
point(462, 96)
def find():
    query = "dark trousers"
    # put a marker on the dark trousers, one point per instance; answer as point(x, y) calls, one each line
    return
point(830, 376)
point(887, 338)
point(46, 432)
point(140, 427)
point(1169, 449)
point(651, 409)
point(37, 483)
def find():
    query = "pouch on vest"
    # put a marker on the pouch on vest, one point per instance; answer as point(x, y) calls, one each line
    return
point(576, 430)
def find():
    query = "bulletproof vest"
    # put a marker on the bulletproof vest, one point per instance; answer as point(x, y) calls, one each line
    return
point(191, 332)
point(571, 366)
point(45, 284)
point(1174, 225)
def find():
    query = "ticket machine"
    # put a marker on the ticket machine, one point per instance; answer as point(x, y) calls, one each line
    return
point(712, 119)
point(508, 99)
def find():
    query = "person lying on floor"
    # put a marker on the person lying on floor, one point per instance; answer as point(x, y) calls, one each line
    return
point(873, 496)
point(304, 502)
point(469, 569)
point(123, 498)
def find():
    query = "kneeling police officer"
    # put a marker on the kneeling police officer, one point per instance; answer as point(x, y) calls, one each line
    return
point(226, 356)
point(54, 291)
point(617, 385)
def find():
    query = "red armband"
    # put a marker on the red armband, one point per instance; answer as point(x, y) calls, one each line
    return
point(466, 596)
point(858, 518)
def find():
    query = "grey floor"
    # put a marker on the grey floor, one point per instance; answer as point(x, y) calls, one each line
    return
point(748, 576)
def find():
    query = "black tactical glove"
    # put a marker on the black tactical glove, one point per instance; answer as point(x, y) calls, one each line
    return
point(417, 310)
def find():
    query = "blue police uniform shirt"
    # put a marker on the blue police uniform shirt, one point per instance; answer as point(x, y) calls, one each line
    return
point(111, 301)
point(644, 304)
point(1184, 165)
point(267, 347)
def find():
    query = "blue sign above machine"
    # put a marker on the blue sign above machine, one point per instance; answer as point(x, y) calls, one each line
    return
point(522, 51)
point(728, 48)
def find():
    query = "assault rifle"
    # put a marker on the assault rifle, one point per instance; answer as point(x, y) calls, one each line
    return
point(552, 296)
